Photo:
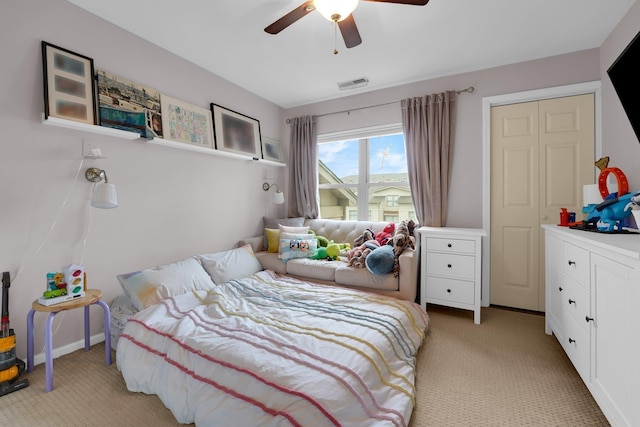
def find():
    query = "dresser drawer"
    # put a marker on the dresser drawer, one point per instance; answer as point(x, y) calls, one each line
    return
point(450, 290)
point(576, 264)
point(576, 303)
point(450, 265)
point(451, 245)
point(577, 345)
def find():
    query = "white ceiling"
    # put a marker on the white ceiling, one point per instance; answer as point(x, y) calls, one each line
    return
point(401, 43)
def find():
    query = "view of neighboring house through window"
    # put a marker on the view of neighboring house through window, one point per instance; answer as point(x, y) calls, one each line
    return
point(371, 165)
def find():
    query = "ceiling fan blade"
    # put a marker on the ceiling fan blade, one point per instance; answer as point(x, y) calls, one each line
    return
point(350, 32)
point(291, 17)
point(411, 2)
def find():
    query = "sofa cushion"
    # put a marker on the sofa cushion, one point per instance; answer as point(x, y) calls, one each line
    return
point(343, 231)
point(313, 269)
point(275, 222)
point(271, 261)
point(362, 278)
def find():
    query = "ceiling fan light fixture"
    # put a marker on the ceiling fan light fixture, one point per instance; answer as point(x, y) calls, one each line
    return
point(335, 10)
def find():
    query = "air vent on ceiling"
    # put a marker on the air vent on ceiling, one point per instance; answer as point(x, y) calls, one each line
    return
point(353, 84)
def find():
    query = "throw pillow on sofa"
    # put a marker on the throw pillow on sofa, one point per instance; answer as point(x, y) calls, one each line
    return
point(297, 248)
point(273, 239)
point(273, 223)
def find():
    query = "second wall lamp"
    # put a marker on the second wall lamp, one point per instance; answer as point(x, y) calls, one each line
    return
point(278, 196)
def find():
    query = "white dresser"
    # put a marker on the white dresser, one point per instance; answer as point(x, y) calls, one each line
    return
point(592, 302)
point(451, 269)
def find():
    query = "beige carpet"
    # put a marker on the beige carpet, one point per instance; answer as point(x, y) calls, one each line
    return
point(504, 372)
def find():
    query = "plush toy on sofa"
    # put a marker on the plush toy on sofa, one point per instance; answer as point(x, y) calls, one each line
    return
point(366, 235)
point(322, 241)
point(330, 253)
point(402, 240)
point(356, 257)
point(384, 237)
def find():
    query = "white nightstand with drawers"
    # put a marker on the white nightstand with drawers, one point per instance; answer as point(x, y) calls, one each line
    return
point(451, 267)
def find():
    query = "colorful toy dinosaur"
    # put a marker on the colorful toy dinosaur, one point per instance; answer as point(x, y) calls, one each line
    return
point(611, 211)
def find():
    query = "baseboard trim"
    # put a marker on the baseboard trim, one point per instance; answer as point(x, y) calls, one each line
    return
point(69, 348)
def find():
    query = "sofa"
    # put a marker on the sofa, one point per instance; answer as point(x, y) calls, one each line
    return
point(338, 272)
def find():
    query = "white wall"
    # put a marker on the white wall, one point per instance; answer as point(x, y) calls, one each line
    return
point(465, 197)
point(173, 203)
point(619, 142)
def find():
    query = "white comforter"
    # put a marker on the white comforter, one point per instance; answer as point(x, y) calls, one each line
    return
point(275, 351)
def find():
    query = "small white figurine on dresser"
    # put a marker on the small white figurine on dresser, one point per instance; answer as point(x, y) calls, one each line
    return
point(451, 267)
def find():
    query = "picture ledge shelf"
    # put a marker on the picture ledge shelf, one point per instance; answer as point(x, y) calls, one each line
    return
point(210, 151)
point(100, 130)
point(117, 133)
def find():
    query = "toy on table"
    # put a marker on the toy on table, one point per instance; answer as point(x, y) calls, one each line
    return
point(56, 286)
point(63, 286)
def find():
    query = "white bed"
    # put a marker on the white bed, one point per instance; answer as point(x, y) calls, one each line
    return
point(269, 350)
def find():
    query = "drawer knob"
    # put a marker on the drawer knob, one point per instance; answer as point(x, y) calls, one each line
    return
point(449, 245)
point(560, 288)
point(571, 340)
point(571, 301)
point(588, 319)
point(572, 262)
point(449, 290)
point(449, 265)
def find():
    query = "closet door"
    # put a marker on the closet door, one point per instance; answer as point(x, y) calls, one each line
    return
point(542, 153)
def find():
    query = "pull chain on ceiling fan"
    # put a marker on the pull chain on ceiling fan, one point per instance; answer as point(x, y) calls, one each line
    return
point(337, 11)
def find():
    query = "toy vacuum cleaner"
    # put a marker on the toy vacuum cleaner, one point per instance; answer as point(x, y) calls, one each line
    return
point(10, 366)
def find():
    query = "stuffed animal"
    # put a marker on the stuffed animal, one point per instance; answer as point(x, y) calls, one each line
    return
point(383, 237)
point(330, 253)
point(322, 241)
point(356, 257)
point(366, 235)
point(402, 240)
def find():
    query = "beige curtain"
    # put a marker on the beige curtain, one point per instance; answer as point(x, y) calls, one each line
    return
point(428, 124)
point(303, 168)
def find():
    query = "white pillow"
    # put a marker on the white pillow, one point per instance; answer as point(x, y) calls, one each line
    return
point(230, 265)
point(147, 287)
point(294, 230)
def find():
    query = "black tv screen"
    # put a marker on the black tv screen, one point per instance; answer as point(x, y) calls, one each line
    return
point(625, 75)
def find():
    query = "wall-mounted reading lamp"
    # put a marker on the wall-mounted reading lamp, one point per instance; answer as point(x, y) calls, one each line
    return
point(104, 194)
point(278, 196)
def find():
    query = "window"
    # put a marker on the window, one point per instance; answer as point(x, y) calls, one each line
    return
point(368, 163)
point(392, 200)
point(391, 217)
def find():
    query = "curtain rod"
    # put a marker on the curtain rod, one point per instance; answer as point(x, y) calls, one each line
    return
point(470, 89)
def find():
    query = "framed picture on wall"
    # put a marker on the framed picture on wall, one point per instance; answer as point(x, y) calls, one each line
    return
point(69, 85)
point(236, 132)
point(128, 105)
point(272, 150)
point(184, 122)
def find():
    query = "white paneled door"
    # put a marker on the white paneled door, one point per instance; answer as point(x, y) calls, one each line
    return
point(542, 153)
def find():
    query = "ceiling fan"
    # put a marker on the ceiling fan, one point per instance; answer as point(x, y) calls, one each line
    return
point(337, 11)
